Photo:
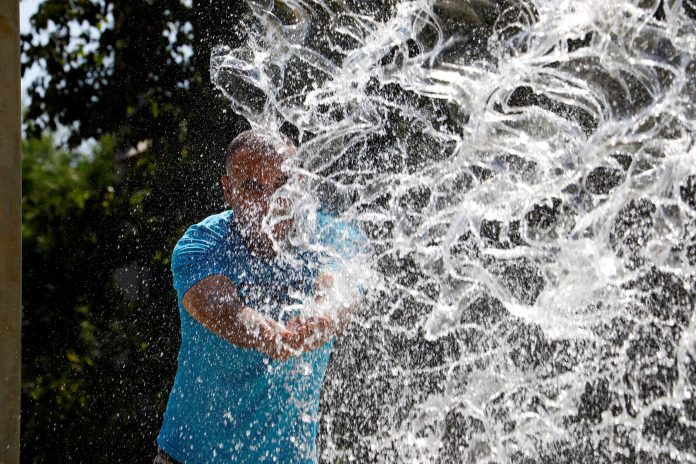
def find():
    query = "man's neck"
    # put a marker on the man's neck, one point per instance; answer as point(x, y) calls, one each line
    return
point(258, 243)
point(261, 251)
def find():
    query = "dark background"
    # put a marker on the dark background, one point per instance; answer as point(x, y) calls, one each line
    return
point(100, 323)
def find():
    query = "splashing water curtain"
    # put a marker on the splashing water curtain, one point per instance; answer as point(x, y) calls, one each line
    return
point(526, 174)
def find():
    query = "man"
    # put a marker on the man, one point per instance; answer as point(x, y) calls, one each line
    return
point(249, 369)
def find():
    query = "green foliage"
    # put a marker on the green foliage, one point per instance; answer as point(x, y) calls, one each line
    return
point(56, 181)
point(99, 359)
point(95, 364)
point(110, 64)
point(61, 194)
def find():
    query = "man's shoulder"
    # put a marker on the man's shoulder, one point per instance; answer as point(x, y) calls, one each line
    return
point(216, 224)
point(207, 233)
point(200, 251)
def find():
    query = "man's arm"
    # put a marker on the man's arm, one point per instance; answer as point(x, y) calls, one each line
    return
point(215, 303)
point(316, 330)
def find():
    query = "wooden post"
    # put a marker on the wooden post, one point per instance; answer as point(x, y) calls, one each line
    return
point(10, 232)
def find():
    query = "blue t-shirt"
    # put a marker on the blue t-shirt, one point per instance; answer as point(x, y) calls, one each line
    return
point(231, 404)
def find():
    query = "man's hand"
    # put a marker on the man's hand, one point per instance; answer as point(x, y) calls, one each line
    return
point(323, 283)
point(323, 289)
point(215, 303)
point(300, 335)
point(312, 332)
point(278, 342)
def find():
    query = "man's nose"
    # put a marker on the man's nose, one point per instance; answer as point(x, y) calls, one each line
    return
point(281, 206)
point(284, 202)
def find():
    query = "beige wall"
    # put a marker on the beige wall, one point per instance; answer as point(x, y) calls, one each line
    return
point(10, 232)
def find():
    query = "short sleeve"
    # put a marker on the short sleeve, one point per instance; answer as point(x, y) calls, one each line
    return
point(197, 255)
point(345, 238)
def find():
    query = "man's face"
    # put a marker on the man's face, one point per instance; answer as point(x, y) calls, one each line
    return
point(252, 180)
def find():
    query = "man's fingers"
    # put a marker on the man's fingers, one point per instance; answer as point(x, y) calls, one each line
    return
point(278, 342)
point(291, 338)
point(315, 332)
point(283, 354)
point(300, 335)
point(319, 324)
point(324, 281)
point(284, 347)
point(294, 323)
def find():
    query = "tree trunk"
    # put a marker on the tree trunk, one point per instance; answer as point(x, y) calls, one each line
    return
point(10, 232)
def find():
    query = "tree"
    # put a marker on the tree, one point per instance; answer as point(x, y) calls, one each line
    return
point(72, 333)
point(98, 363)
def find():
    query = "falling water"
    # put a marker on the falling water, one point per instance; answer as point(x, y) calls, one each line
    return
point(525, 171)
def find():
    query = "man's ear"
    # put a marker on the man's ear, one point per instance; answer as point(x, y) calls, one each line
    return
point(226, 188)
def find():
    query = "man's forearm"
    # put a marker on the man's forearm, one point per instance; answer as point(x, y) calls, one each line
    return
point(213, 303)
point(243, 327)
point(247, 328)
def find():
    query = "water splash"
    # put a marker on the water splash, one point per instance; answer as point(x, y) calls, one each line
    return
point(526, 174)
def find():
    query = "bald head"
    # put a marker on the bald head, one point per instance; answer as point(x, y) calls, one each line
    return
point(264, 146)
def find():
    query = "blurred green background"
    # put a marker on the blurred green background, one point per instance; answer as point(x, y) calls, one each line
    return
point(123, 148)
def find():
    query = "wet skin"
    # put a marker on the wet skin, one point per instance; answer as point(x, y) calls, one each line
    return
point(252, 179)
